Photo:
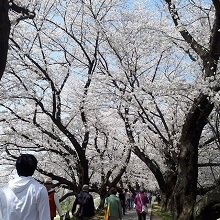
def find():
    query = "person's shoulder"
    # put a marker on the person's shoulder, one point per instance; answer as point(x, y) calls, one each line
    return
point(90, 194)
point(81, 193)
point(85, 193)
point(3, 188)
point(52, 191)
point(117, 198)
point(113, 197)
point(38, 185)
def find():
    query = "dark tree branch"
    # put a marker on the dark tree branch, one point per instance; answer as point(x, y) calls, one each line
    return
point(26, 14)
point(4, 34)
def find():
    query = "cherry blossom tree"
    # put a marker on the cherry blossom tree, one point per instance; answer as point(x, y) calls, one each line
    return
point(25, 13)
point(180, 145)
point(91, 83)
point(149, 83)
point(208, 51)
point(51, 72)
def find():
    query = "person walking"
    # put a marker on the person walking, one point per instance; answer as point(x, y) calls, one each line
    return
point(24, 198)
point(83, 206)
point(115, 210)
point(141, 200)
point(126, 193)
point(150, 197)
point(130, 201)
point(53, 199)
point(121, 196)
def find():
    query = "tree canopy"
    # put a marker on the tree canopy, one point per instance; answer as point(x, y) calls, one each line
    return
point(113, 93)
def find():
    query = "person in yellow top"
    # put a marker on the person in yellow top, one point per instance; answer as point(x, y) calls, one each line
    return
point(53, 199)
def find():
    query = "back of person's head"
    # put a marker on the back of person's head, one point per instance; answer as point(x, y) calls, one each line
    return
point(85, 188)
point(113, 191)
point(26, 164)
point(120, 190)
point(48, 180)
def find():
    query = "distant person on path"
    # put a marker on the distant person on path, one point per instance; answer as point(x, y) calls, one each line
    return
point(86, 202)
point(53, 199)
point(130, 200)
point(122, 199)
point(127, 199)
point(141, 199)
point(150, 197)
point(23, 198)
point(133, 196)
point(114, 204)
point(158, 198)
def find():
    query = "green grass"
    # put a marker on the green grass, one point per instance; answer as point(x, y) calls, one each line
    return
point(159, 214)
point(99, 215)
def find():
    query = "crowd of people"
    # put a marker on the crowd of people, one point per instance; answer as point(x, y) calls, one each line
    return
point(24, 198)
point(122, 200)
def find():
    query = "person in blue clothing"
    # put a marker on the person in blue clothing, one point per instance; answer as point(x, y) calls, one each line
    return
point(114, 203)
point(86, 202)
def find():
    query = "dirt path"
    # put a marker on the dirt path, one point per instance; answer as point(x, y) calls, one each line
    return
point(132, 215)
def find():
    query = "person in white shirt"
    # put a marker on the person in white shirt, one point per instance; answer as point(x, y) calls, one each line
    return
point(53, 199)
point(24, 198)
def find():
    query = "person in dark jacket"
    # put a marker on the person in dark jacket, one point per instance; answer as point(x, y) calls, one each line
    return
point(85, 202)
point(121, 196)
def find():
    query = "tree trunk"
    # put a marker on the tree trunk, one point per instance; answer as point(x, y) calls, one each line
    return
point(208, 208)
point(4, 34)
point(186, 187)
point(83, 172)
point(167, 193)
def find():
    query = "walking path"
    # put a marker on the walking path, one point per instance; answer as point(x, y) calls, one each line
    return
point(132, 215)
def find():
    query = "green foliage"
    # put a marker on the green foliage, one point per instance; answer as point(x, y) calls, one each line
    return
point(159, 214)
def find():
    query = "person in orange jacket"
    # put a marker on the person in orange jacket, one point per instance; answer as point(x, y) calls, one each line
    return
point(53, 199)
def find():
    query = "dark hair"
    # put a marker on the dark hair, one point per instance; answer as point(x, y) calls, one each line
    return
point(113, 191)
point(120, 190)
point(26, 164)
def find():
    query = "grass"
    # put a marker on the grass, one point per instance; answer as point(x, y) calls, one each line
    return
point(158, 214)
point(99, 215)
